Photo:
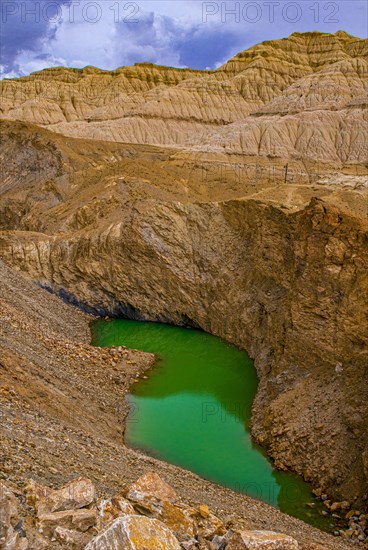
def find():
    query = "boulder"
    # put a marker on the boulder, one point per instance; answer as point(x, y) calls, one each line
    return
point(110, 509)
point(80, 520)
point(176, 518)
point(153, 497)
point(70, 538)
point(10, 538)
point(152, 485)
point(76, 494)
point(208, 525)
point(264, 540)
point(135, 533)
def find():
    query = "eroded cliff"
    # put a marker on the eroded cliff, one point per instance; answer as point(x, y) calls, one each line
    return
point(252, 224)
point(318, 80)
point(279, 271)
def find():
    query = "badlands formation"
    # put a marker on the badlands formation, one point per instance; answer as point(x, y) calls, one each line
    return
point(232, 200)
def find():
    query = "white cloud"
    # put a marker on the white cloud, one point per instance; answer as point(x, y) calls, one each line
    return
point(166, 32)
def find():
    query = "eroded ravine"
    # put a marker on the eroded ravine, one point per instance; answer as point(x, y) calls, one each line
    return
point(62, 407)
point(194, 408)
point(255, 230)
point(283, 283)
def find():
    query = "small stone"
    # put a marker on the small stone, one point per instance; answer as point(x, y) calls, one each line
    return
point(204, 511)
point(352, 513)
point(344, 505)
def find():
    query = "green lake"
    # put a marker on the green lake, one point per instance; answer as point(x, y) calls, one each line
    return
point(194, 411)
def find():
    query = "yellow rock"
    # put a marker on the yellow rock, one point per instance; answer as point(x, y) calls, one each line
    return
point(204, 511)
point(110, 509)
point(135, 533)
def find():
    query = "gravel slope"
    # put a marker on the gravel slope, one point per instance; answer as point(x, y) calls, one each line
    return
point(62, 412)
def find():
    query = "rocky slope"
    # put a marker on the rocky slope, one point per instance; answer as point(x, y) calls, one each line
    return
point(62, 414)
point(303, 322)
point(255, 231)
point(148, 515)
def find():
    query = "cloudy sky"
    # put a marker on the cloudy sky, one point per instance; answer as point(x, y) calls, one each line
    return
point(199, 34)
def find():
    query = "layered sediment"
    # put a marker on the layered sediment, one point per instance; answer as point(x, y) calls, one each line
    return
point(62, 416)
point(303, 96)
point(279, 272)
point(240, 207)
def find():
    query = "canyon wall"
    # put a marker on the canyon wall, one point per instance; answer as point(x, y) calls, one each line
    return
point(248, 221)
point(62, 405)
point(286, 286)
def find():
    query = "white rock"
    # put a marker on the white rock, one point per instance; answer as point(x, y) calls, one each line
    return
point(263, 540)
point(135, 533)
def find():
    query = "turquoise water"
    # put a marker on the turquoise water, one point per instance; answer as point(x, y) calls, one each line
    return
point(194, 411)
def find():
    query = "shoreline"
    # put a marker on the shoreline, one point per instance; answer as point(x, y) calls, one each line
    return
point(82, 437)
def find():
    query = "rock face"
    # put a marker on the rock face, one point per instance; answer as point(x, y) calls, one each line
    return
point(55, 431)
point(255, 231)
point(278, 273)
